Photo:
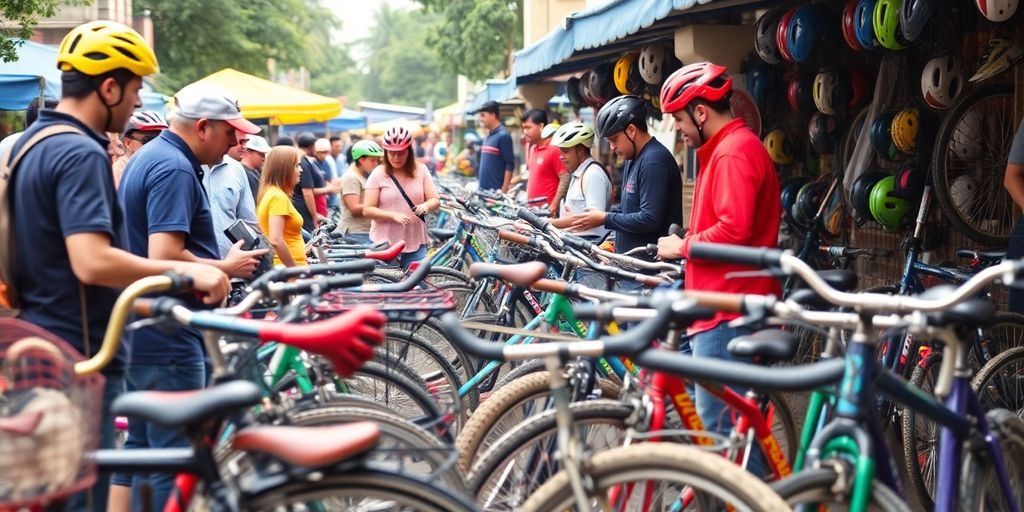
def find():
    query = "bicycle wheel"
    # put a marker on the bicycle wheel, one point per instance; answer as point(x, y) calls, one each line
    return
point(979, 488)
point(665, 470)
point(919, 434)
point(972, 146)
point(524, 458)
point(1000, 383)
point(440, 377)
point(813, 489)
point(1007, 332)
point(367, 487)
point(508, 407)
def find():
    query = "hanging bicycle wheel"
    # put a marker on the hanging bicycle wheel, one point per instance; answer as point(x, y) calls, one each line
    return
point(969, 162)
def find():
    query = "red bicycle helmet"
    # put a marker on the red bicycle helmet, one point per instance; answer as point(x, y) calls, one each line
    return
point(782, 35)
point(850, 25)
point(701, 80)
point(146, 121)
point(397, 138)
point(859, 91)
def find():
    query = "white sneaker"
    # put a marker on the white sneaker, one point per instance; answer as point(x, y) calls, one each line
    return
point(1000, 56)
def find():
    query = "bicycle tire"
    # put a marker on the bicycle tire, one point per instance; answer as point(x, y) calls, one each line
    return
point(645, 462)
point(815, 486)
point(977, 476)
point(480, 430)
point(463, 293)
point(444, 276)
point(439, 375)
point(367, 481)
point(430, 331)
point(539, 428)
point(992, 167)
point(994, 389)
point(919, 431)
point(1007, 332)
point(524, 368)
point(431, 454)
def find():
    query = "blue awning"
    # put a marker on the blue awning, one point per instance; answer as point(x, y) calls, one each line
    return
point(347, 120)
point(21, 80)
point(601, 26)
point(495, 90)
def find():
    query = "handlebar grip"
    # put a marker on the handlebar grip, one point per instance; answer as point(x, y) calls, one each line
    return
point(143, 307)
point(324, 283)
point(179, 282)
point(466, 341)
point(588, 311)
point(576, 243)
point(726, 302)
point(760, 257)
point(677, 230)
point(512, 236)
point(533, 219)
point(538, 200)
point(551, 286)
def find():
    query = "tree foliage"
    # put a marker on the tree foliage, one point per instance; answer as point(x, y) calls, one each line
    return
point(400, 68)
point(476, 37)
point(19, 18)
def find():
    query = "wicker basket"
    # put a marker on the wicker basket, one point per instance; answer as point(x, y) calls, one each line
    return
point(49, 418)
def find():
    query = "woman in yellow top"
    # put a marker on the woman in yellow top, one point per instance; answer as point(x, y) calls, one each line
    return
point(279, 219)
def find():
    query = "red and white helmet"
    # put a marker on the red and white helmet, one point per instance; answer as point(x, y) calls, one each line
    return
point(397, 138)
point(701, 80)
point(997, 10)
point(942, 82)
point(146, 121)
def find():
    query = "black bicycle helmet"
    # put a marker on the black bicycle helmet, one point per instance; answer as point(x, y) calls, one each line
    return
point(808, 200)
point(766, 28)
point(821, 132)
point(914, 15)
point(861, 194)
point(572, 91)
point(619, 113)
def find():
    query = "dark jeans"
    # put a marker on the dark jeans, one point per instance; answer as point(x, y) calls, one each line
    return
point(142, 434)
point(715, 414)
point(113, 387)
point(1015, 251)
point(408, 258)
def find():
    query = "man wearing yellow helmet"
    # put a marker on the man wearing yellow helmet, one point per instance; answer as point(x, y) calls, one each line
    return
point(65, 219)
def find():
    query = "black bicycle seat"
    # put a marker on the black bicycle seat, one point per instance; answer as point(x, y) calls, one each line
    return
point(973, 314)
point(442, 234)
point(990, 256)
point(765, 346)
point(179, 409)
point(842, 280)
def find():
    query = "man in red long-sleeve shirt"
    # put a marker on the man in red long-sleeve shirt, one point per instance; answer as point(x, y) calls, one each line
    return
point(735, 201)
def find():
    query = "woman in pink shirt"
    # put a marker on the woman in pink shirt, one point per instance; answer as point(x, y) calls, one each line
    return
point(397, 196)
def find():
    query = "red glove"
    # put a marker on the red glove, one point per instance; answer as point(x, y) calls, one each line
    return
point(347, 340)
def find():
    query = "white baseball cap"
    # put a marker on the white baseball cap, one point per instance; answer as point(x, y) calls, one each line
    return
point(322, 145)
point(199, 100)
point(258, 144)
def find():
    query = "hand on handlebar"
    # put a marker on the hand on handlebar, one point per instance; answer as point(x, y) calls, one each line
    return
point(670, 247)
point(210, 281)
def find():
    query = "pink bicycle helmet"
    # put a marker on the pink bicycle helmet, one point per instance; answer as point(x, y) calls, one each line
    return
point(397, 138)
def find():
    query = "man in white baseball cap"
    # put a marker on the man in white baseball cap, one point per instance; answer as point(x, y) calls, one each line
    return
point(167, 216)
point(252, 160)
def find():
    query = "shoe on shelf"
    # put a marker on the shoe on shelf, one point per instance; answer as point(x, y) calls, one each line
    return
point(1000, 56)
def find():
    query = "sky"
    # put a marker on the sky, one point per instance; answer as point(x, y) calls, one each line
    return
point(357, 17)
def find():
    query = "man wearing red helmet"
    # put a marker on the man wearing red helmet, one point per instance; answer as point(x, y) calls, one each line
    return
point(735, 201)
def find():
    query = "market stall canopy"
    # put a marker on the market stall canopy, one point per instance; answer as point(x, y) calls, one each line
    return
point(382, 112)
point(278, 103)
point(346, 121)
point(494, 90)
point(592, 35)
point(414, 126)
point(22, 80)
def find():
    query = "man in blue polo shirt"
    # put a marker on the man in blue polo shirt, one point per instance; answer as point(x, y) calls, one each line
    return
point(497, 161)
point(69, 230)
point(168, 216)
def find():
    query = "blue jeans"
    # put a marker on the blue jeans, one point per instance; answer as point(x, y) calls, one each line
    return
point(113, 387)
point(717, 416)
point(142, 434)
point(408, 258)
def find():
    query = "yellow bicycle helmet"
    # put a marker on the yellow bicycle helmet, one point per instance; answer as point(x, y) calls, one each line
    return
point(100, 47)
point(779, 146)
point(904, 130)
point(622, 69)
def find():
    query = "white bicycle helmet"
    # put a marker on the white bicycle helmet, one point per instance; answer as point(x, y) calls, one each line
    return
point(825, 84)
point(573, 134)
point(548, 130)
point(652, 63)
point(997, 10)
point(962, 190)
point(966, 143)
point(942, 82)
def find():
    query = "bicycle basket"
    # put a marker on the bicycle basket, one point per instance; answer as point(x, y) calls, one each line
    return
point(49, 418)
point(412, 306)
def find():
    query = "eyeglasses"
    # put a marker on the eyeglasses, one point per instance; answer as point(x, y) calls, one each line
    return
point(142, 140)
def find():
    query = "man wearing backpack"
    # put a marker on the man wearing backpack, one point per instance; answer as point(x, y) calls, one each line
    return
point(59, 200)
point(589, 187)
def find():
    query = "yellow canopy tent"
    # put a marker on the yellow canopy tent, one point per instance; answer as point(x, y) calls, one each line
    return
point(281, 104)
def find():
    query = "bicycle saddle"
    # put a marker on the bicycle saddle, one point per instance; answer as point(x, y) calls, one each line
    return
point(523, 274)
point(309, 446)
point(442, 234)
point(991, 256)
point(180, 409)
point(972, 313)
point(765, 346)
point(842, 280)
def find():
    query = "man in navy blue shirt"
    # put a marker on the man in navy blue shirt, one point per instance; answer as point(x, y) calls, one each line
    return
point(68, 226)
point(652, 188)
point(168, 217)
point(497, 161)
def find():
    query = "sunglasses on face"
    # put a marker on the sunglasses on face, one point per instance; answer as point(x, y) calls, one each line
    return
point(143, 139)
